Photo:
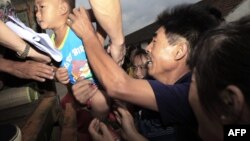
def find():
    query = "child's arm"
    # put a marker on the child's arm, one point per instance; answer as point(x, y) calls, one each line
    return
point(100, 105)
point(87, 93)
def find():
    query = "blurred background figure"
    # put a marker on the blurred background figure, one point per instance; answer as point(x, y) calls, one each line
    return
point(139, 59)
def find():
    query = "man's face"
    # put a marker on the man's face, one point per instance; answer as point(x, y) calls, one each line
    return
point(162, 55)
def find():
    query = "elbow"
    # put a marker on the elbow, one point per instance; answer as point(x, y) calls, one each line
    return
point(117, 87)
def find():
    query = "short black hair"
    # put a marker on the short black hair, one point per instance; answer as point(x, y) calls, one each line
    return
point(71, 4)
point(189, 21)
point(221, 58)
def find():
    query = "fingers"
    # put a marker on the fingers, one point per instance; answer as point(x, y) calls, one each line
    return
point(37, 78)
point(86, 95)
point(40, 76)
point(80, 83)
point(122, 111)
point(71, 19)
point(77, 11)
point(94, 128)
point(104, 128)
point(84, 90)
point(118, 117)
point(39, 71)
point(62, 75)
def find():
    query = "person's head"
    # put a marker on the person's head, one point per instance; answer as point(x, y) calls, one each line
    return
point(219, 92)
point(139, 58)
point(180, 29)
point(52, 14)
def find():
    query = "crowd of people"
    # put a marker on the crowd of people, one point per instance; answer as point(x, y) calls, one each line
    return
point(190, 81)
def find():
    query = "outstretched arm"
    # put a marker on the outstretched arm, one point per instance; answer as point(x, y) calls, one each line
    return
point(112, 77)
point(27, 70)
point(10, 40)
point(108, 15)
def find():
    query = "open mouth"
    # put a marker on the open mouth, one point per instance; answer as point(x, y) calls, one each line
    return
point(149, 63)
point(149, 60)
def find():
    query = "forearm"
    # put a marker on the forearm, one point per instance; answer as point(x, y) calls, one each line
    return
point(106, 70)
point(100, 105)
point(112, 77)
point(108, 14)
point(115, 80)
point(7, 65)
point(10, 40)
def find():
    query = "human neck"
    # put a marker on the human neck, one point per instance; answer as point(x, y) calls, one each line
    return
point(170, 78)
point(60, 34)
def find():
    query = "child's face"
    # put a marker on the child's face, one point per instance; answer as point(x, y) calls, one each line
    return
point(47, 13)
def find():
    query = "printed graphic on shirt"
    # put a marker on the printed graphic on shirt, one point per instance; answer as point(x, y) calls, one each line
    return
point(81, 69)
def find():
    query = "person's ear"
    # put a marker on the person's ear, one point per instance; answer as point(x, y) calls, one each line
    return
point(182, 50)
point(233, 101)
point(64, 8)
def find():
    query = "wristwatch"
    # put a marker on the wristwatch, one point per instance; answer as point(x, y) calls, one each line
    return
point(25, 52)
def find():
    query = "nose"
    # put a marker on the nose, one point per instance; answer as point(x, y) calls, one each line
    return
point(148, 48)
point(138, 74)
point(38, 15)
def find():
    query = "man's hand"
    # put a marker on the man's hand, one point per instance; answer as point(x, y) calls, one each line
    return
point(83, 90)
point(81, 24)
point(32, 70)
point(79, 21)
point(128, 130)
point(117, 52)
point(99, 131)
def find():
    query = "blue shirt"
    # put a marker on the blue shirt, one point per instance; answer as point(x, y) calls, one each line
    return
point(172, 101)
point(74, 57)
point(150, 126)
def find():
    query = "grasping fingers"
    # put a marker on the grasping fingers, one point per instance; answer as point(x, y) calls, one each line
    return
point(83, 90)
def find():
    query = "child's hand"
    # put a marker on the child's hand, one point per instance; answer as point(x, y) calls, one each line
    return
point(62, 75)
